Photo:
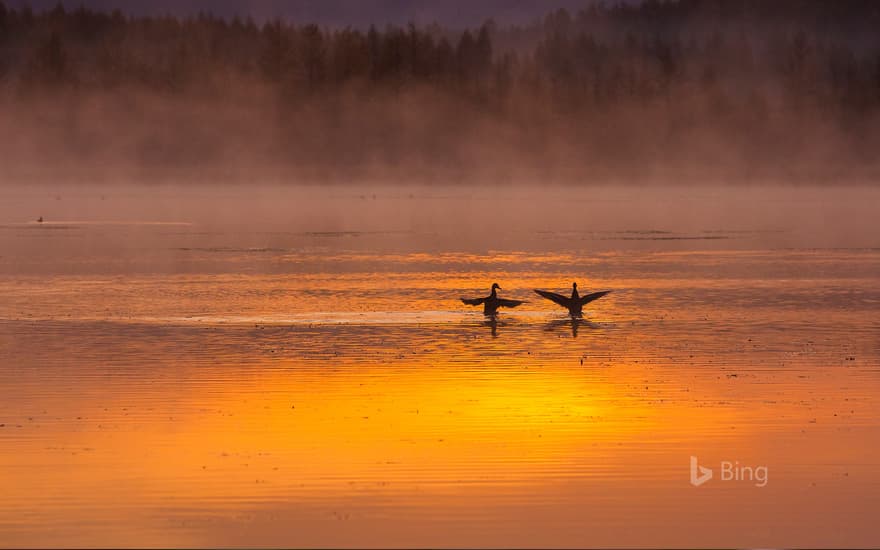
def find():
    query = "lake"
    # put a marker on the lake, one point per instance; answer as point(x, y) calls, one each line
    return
point(292, 366)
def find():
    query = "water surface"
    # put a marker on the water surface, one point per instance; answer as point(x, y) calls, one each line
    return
point(291, 366)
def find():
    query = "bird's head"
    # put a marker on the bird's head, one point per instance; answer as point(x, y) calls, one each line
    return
point(574, 285)
point(495, 286)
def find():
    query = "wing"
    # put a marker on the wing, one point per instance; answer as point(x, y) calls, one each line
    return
point(473, 301)
point(594, 296)
point(509, 303)
point(564, 301)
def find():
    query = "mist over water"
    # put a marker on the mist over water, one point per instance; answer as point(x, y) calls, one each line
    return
point(176, 228)
point(678, 92)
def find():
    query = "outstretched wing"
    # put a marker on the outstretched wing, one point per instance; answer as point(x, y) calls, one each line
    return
point(594, 296)
point(564, 301)
point(473, 301)
point(509, 303)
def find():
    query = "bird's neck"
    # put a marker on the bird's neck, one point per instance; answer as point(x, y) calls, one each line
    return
point(493, 293)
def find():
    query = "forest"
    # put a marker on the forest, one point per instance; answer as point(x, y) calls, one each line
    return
point(691, 90)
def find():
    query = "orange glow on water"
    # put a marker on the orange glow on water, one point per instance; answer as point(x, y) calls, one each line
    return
point(263, 393)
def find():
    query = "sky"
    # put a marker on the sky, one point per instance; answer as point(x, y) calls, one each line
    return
point(452, 13)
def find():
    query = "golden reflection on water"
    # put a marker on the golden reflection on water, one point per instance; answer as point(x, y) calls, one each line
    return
point(282, 391)
point(200, 435)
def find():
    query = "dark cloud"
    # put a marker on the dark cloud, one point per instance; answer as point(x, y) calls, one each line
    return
point(337, 12)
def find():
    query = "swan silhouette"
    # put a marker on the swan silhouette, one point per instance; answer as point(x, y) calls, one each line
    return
point(492, 302)
point(575, 304)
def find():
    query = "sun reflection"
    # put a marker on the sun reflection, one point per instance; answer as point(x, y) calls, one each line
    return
point(423, 421)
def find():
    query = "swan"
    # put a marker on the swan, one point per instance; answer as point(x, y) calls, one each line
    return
point(492, 302)
point(575, 304)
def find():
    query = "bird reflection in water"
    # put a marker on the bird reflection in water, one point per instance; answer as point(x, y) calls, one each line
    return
point(491, 321)
point(573, 321)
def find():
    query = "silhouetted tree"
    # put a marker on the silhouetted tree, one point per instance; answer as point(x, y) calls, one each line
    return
point(812, 53)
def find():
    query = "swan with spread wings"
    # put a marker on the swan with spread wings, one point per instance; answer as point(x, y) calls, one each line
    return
point(492, 302)
point(575, 304)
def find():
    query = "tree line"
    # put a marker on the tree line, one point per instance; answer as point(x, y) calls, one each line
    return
point(802, 49)
point(614, 85)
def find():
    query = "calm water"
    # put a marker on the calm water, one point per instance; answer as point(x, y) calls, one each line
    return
point(266, 366)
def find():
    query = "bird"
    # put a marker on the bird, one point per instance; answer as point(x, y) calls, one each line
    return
point(492, 302)
point(576, 303)
point(40, 219)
